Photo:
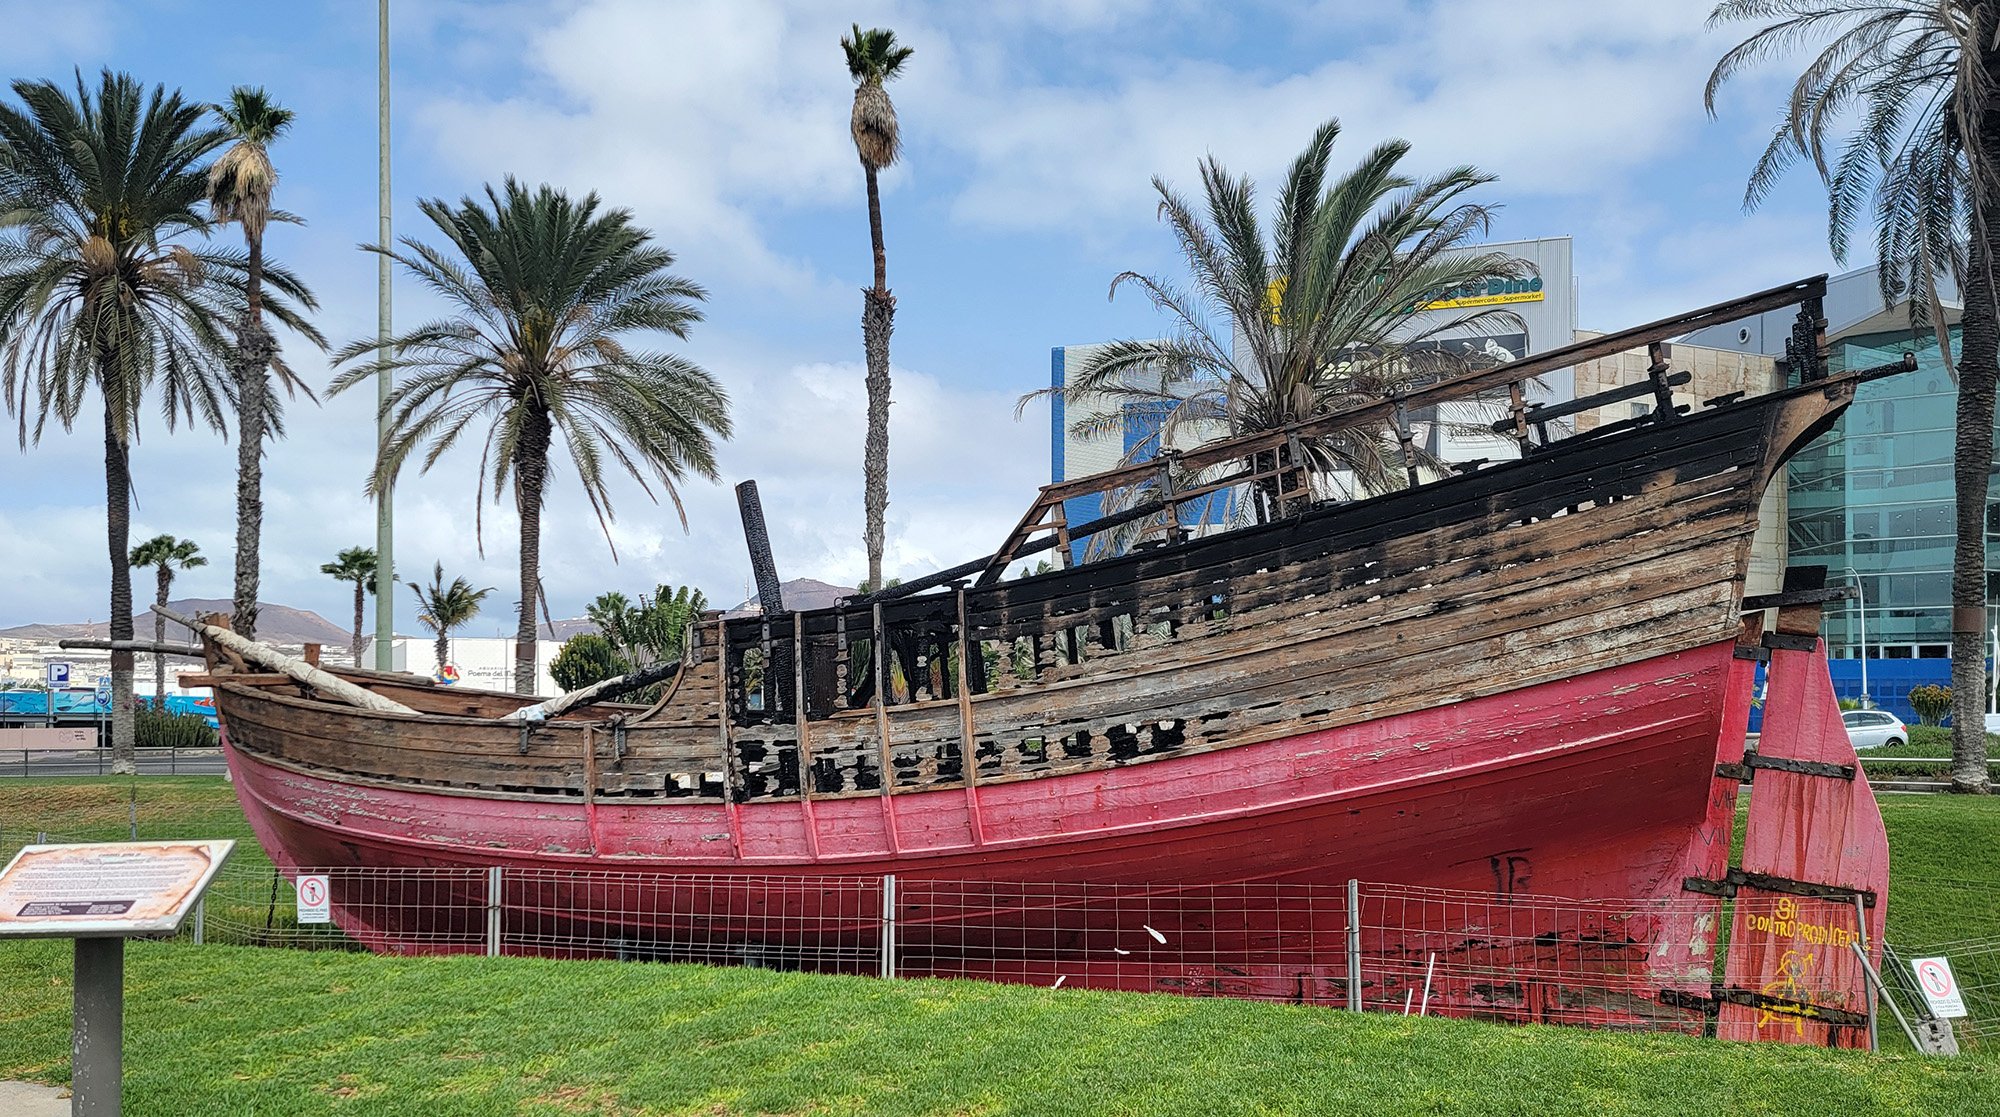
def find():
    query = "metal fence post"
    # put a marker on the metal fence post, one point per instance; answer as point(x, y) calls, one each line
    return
point(1354, 946)
point(200, 912)
point(493, 876)
point(1867, 990)
point(889, 925)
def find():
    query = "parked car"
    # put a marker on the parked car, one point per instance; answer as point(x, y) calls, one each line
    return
point(1871, 729)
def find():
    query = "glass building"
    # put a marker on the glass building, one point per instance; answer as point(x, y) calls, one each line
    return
point(1872, 499)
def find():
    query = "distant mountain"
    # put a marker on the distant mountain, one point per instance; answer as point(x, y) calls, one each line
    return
point(276, 624)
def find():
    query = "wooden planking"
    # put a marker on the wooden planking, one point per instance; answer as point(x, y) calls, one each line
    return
point(1476, 576)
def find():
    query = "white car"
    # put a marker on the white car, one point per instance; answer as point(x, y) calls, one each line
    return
point(1871, 729)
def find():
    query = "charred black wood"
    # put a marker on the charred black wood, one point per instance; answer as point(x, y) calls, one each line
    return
point(1543, 413)
point(1757, 603)
point(1737, 878)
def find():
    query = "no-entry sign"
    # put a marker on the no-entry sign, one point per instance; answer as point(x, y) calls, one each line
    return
point(314, 906)
point(1939, 987)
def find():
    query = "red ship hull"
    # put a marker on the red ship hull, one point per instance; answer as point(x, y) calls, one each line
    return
point(1480, 795)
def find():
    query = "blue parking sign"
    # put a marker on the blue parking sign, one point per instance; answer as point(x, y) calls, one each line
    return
point(58, 675)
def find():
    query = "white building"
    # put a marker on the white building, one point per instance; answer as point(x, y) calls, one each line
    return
point(482, 662)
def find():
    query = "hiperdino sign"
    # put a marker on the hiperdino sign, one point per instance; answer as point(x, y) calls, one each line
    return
point(1492, 292)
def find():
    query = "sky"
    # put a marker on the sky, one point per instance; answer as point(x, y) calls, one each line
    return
point(1032, 130)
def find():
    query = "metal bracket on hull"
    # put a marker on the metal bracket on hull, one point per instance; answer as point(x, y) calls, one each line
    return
point(1737, 878)
point(1753, 761)
point(1757, 603)
point(1790, 642)
point(1711, 1005)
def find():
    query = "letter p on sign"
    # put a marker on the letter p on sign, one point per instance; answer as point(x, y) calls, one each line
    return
point(314, 906)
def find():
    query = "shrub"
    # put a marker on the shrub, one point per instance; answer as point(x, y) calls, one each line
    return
point(584, 659)
point(158, 729)
point(1931, 702)
point(1850, 703)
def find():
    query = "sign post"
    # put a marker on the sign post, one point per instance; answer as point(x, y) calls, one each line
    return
point(56, 677)
point(101, 895)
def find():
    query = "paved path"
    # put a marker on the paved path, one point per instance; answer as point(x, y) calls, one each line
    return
point(27, 1099)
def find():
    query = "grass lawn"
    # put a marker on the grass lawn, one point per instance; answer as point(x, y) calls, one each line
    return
point(217, 1029)
point(240, 1030)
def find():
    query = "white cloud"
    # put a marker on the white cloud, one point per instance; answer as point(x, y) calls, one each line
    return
point(1558, 99)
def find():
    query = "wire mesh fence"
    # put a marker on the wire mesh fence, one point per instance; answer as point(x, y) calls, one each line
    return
point(1642, 965)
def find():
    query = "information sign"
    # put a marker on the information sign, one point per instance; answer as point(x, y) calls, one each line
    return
point(114, 889)
point(314, 903)
point(1940, 988)
point(104, 691)
point(58, 675)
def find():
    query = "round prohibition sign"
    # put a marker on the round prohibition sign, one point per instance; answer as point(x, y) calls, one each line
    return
point(312, 891)
point(1935, 978)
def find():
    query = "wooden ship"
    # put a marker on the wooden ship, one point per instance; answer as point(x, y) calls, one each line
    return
point(1527, 677)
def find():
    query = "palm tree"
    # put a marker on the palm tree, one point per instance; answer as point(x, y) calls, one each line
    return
point(357, 565)
point(240, 182)
point(100, 288)
point(1329, 308)
point(1919, 80)
point(166, 553)
point(542, 287)
point(873, 58)
point(442, 608)
point(612, 613)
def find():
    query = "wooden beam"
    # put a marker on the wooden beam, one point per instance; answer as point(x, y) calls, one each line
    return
point(265, 656)
point(1458, 387)
point(876, 640)
point(968, 760)
point(185, 651)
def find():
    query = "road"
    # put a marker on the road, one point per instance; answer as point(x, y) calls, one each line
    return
point(97, 762)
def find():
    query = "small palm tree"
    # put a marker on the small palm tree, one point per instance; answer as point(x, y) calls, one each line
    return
point(357, 565)
point(1329, 305)
point(612, 613)
point(167, 554)
point(1918, 81)
point(101, 289)
point(442, 608)
point(543, 289)
point(873, 58)
point(240, 183)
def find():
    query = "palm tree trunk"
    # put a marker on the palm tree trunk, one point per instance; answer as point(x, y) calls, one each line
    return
point(1972, 460)
point(118, 530)
point(878, 319)
point(530, 471)
point(253, 357)
point(166, 583)
point(443, 652)
point(875, 229)
point(360, 604)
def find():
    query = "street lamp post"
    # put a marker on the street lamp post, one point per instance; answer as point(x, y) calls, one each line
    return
point(1861, 613)
point(385, 516)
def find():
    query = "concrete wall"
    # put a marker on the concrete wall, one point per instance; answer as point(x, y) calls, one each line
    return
point(19, 740)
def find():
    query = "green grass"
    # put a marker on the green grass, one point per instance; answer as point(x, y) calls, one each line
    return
point(104, 809)
point(228, 1030)
point(217, 1029)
